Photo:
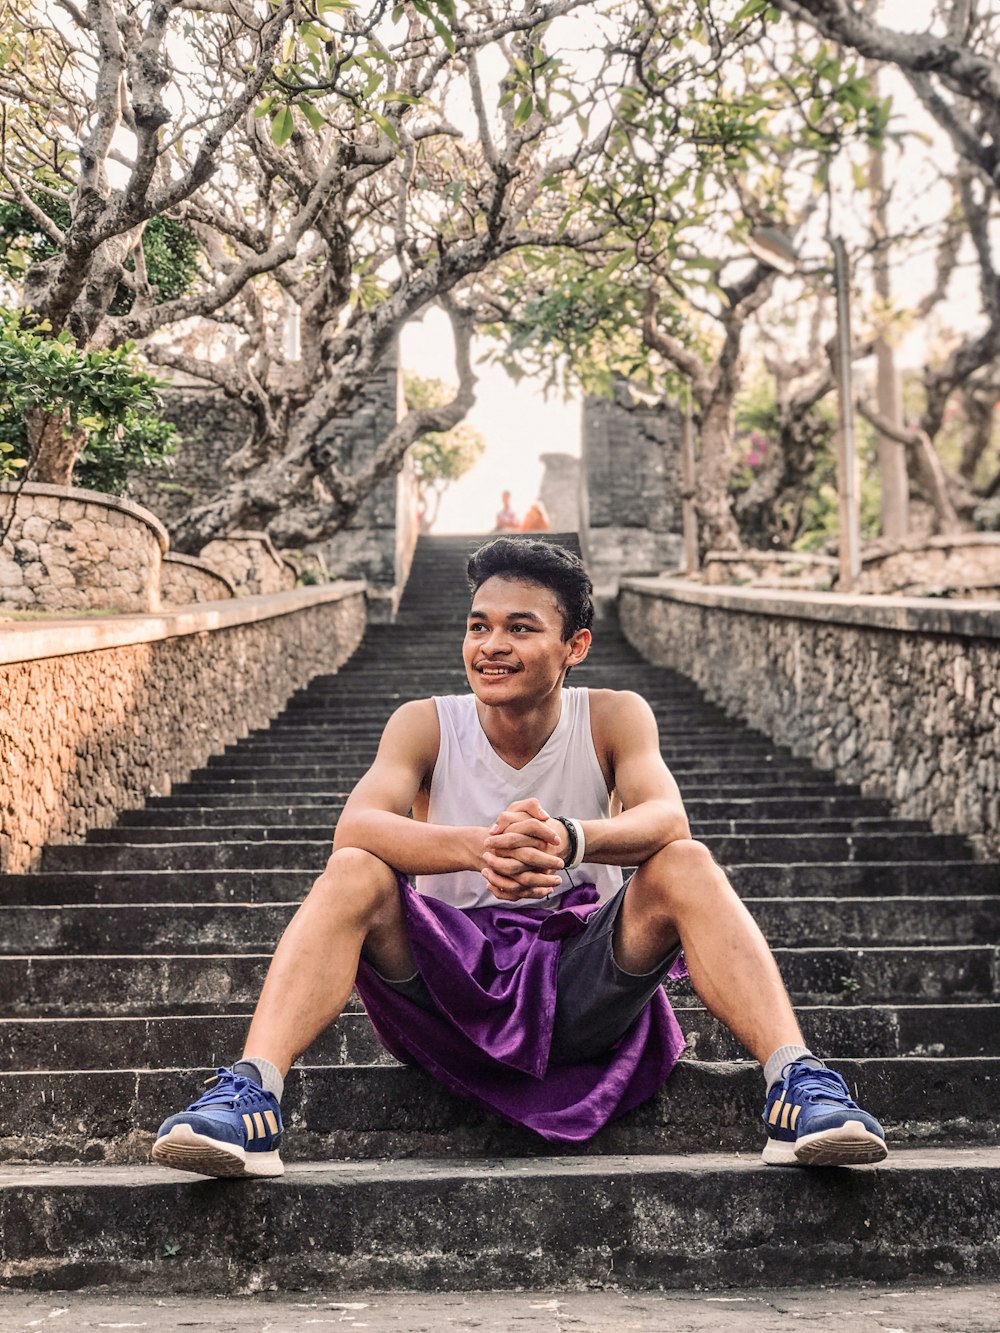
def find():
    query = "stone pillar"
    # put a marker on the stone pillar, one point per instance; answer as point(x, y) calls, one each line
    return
point(631, 521)
point(369, 546)
point(560, 491)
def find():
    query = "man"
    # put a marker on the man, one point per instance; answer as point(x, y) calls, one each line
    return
point(515, 967)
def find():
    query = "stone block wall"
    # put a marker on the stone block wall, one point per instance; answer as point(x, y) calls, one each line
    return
point(68, 549)
point(96, 716)
point(631, 520)
point(898, 695)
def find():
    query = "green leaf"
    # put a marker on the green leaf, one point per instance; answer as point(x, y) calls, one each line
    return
point(282, 126)
point(386, 126)
point(523, 113)
point(313, 114)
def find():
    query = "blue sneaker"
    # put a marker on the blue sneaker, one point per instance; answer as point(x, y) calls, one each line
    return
point(234, 1129)
point(812, 1120)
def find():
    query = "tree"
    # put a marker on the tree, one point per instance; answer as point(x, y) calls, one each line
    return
point(348, 195)
point(439, 458)
point(708, 145)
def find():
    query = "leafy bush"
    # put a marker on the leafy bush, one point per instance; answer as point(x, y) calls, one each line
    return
point(106, 396)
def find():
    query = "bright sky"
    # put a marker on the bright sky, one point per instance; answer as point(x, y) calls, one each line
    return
point(516, 420)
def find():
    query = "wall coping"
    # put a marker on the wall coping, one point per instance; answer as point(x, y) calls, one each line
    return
point(82, 496)
point(21, 642)
point(922, 615)
point(777, 557)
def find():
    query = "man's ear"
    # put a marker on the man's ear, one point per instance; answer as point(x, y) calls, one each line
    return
point(579, 647)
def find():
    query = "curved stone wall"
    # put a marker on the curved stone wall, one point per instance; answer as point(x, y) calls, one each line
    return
point(250, 563)
point(185, 579)
point(97, 715)
point(73, 550)
point(900, 695)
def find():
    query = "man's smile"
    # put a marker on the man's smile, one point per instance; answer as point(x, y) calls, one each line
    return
point(494, 669)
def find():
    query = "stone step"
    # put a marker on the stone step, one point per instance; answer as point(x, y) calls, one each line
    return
point(351, 767)
point(241, 827)
point(830, 879)
point(246, 927)
point(725, 786)
point(303, 811)
point(638, 1223)
point(78, 985)
point(332, 743)
point(299, 853)
point(112, 1114)
point(208, 1040)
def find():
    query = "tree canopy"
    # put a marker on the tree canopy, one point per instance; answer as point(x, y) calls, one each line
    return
point(264, 197)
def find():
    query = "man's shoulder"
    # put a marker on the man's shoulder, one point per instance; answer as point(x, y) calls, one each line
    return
point(614, 701)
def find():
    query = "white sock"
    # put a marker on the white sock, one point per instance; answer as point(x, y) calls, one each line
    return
point(262, 1072)
point(784, 1055)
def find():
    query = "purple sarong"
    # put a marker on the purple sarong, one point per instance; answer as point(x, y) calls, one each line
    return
point(491, 971)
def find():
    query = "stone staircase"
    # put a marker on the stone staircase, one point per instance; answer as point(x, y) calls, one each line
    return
point(129, 966)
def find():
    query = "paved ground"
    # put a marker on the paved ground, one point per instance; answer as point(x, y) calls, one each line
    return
point(970, 1309)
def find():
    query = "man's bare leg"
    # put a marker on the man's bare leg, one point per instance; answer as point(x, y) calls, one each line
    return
point(353, 906)
point(235, 1128)
point(681, 894)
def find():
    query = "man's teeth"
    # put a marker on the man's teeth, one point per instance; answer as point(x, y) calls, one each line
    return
point(496, 671)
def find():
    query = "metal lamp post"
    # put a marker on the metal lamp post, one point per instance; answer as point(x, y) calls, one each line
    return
point(772, 247)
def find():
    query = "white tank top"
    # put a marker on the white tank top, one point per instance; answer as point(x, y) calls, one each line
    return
point(472, 784)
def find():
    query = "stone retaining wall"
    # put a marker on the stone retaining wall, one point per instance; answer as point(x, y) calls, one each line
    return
point(966, 564)
point(97, 715)
point(897, 694)
point(69, 549)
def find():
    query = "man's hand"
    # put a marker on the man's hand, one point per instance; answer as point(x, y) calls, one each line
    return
point(524, 852)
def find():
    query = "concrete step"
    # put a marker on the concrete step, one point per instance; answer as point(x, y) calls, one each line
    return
point(298, 853)
point(211, 927)
point(208, 1040)
point(64, 985)
point(396, 1111)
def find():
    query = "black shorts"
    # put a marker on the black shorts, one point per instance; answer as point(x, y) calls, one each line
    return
point(596, 1001)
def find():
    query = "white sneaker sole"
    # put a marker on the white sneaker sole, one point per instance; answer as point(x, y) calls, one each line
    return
point(850, 1144)
point(184, 1150)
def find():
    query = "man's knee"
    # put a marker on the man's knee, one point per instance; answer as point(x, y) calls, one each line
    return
point(358, 881)
point(682, 870)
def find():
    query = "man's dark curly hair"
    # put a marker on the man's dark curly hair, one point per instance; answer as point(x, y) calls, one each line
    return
point(544, 563)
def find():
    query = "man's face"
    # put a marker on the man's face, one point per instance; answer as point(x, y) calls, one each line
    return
point(514, 648)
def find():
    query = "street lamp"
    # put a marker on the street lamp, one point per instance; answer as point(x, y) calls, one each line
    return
point(772, 247)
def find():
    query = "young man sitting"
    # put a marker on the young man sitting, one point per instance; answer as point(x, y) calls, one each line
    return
point(490, 936)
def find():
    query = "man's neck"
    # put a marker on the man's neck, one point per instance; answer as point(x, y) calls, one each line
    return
point(518, 732)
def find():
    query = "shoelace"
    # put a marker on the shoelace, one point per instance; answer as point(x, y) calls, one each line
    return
point(819, 1085)
point(226, 1090)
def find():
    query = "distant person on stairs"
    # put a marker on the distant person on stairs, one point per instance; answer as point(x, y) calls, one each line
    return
point(490, 935)
point(506, 519)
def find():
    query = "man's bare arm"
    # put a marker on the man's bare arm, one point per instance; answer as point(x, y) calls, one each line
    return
point(652, 812)
point(376, 815)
